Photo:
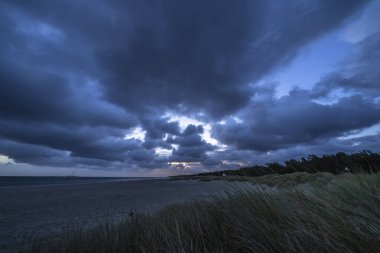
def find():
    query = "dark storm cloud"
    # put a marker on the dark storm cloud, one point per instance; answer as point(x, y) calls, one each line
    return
point(202, 55)
point(39, 83)
point(27, 153)
point(81, 141)
point(156, 128)
point(296, 119)
point(42, 155)
point(34, 94)
point(76, 76)
point(233, 159)
point(361, 75)
point(191, 146)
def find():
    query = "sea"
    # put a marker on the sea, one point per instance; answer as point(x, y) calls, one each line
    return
point(8, 181)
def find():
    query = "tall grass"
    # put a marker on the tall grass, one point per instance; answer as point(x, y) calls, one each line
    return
point(276, 180)
point(342, 217)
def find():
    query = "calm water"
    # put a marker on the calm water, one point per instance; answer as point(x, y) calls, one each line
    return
point(24, 181)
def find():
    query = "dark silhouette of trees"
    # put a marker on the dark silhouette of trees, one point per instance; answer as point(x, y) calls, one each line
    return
point(362, 162)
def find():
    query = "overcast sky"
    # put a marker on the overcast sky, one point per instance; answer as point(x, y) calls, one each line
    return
point(152, 88)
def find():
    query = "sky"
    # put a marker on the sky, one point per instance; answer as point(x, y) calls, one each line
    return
point(157, 88)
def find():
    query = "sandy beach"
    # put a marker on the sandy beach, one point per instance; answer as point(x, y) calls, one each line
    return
point(30, 211)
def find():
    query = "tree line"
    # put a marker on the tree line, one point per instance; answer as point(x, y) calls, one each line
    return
point(361, 162)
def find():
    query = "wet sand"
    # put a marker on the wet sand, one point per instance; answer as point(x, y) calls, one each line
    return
point(30, 211)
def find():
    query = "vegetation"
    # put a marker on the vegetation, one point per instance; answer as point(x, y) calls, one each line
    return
point(339, 217)
point(278, 180)
point(361, 162)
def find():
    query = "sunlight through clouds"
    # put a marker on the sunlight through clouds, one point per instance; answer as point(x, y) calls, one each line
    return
point(370, 131)
point(184, 165)
point(163, 152)
point(184, 121)
point(5, 160)
point(136, 133)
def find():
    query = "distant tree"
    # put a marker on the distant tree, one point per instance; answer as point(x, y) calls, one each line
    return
point(364, 161)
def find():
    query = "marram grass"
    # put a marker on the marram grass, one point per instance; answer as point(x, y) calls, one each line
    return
point(343, 216)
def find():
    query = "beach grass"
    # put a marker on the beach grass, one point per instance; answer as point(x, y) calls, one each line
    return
point(279, 180)
point(333, 214)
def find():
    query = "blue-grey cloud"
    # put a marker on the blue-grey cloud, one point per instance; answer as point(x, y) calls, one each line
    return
point(299, 123)
point(296, 119)
point(191, 146)
point(76, 77)
point(359, 75)
point(202, 55)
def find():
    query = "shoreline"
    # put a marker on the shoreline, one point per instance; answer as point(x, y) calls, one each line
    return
point(47, 181)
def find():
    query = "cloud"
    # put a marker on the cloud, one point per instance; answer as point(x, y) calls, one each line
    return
point(191, 146)
point(301, 118)
point(365, 26)
point(202, 56)
point(359, 74)
point(341, 104)
point(296, 119)
point(74, 83)
point(102, 143)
